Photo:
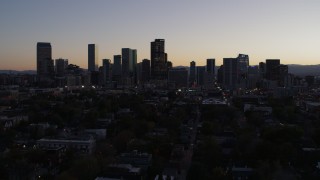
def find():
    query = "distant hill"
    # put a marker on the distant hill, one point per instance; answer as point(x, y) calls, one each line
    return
point(304, 70)
point(18, 72)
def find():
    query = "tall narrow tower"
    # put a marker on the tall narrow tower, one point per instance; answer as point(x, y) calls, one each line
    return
point(92, 57)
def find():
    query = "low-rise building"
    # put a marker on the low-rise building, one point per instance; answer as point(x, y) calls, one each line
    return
point(141, 160)
point(83, 144)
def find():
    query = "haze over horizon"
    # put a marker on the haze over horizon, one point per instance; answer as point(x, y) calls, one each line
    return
point(194, 30)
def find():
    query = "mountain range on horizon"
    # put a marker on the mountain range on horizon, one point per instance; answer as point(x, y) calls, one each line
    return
point(297, 69)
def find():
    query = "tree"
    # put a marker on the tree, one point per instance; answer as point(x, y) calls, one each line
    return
point(85, 169)
point(207, 128)
point(209, 152)
point(122, 139)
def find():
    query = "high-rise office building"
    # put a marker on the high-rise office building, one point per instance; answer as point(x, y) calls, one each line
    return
point(145, 71)
point(92, 57)
point(126, 59)
point(201, 73)
point(133, 63)
point(159, 67)
point(211, 66)
point(61, 66)
point(283, 73)
point(220, 75)
point(262, 69)
point(106, 70)
point(45, 65)
point(116, 68)
point(210, 74)
point(272, 69)
point(139, 73)
point(243, 65)
point(129, 62)
point(192, 73)
point(178, 77)
point(230, 72)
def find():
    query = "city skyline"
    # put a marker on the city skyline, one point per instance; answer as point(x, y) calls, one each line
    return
point(286, 30)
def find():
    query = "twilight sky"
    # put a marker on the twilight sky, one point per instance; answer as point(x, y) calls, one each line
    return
point(193, 29)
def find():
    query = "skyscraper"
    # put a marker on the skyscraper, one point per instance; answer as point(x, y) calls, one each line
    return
point(230, 72)
point(145, 71)
point(192, 73)
point(129, 62)
point(178, 77)
point(201, 72)
point(283, 73)
point(220, 75)
point(61, 66)
point(126, 58)
point(211, 63)
point(133, 66)
point(106, 70)
point(92, 57)
point(133, 62)
point(243, 65)
point(116, 69)
point(159, 68)
point(45, 66)
point(272, 69)
point(262, 69)
point(211, 66)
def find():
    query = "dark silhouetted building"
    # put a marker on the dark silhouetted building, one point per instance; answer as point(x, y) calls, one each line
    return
point(283, 73)
point(159, 68)
point(310, 80)
point(169, 64)
point(201, 73)
point(106, 71)
point(211, 63)
point(262, 69)
point(116, 69)
point(45, 65)
point(243, 65)
point(211, 66)
point(95, 77)
point(129, 63)
point(220, 75)
point(61, 66)
point(272, 69)
point(192, 73)
point(178, 78)
point(133, 66)
point(126, 58)
point(230, 72)
point(92, 57)
point(145, 71)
